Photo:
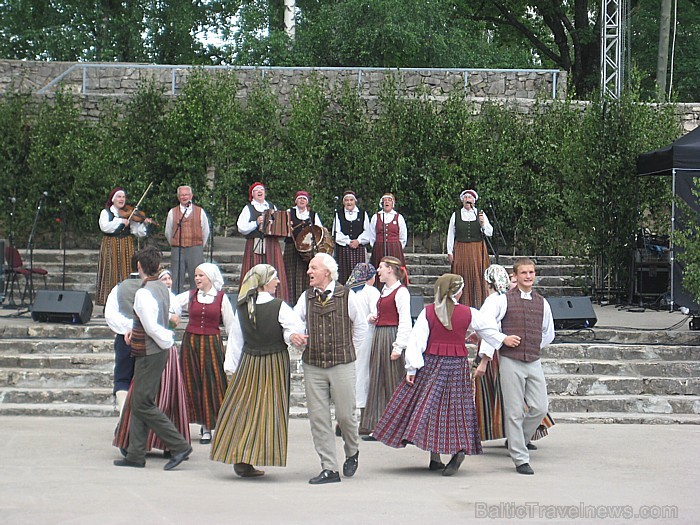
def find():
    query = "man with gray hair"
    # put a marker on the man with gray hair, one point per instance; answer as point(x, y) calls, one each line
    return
point(335, 327)
point(187, 231)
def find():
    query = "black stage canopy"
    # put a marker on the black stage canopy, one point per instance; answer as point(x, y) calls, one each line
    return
point(681, 161)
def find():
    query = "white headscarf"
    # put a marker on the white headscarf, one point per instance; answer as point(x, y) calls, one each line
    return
point(214, 275)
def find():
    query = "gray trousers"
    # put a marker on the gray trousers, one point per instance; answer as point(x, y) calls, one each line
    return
point(521, 383)
point(323, 385)
point(145, 414)
point(184, 260)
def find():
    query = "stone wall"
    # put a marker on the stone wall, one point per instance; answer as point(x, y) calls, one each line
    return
point(117, 82)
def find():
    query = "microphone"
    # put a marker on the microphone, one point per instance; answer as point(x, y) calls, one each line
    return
point(189, 203)
point(13, 200)
point(45, 194)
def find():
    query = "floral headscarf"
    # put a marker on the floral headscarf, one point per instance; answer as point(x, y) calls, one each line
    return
point(497, 276)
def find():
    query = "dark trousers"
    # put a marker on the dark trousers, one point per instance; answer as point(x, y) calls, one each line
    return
point(145, 414)
point(123, 364)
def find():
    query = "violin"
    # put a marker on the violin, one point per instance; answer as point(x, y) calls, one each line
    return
point(133, 213)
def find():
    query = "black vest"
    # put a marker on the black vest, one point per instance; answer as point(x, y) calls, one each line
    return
point(268, 336)
point(466, 231)
point(352, 229)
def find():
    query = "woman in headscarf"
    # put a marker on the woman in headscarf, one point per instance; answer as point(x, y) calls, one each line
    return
point(260, 248)
point(202, 351)
point(252, 422)
point(488, 395)
point(388, 233)
point(295, 264)
point(392, 323)
point(171, 398)
point(117, 244)
point(434, 407)
point(351, 230)
point(361, 281)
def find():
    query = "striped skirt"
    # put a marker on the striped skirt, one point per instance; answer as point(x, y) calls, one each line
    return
point(171, 400)
point(202, 359)
point(295, 267)
point(252, 424)
point(436, 413)
point(489, 406)
point(347, 258)
point(470, 260)
point(384, 375)
point(114, 265)
point(272, 256)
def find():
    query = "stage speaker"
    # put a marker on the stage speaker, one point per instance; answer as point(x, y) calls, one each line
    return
point(62, 307)
point(572, 312)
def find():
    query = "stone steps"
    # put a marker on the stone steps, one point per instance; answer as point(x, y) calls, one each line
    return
point(624, 418)
point(688, 406)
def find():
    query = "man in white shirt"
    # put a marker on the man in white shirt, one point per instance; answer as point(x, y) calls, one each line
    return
point(187, 231)
point(335, 327)
point(525, 313)
point(150, 341)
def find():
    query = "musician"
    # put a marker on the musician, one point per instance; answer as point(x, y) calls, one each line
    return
point(466, 248)
point(387, 232)
point(296, 266)
point(259, 248)
point(351, 229)
point(117, 244)
point(187, 231)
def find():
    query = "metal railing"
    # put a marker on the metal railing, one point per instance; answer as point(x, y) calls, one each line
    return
point(465, 72)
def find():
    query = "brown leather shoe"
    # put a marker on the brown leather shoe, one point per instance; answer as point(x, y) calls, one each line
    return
point(246, 470)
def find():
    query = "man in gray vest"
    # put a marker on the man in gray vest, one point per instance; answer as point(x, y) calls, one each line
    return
point(335, 327)
point(466, 249)
point(150, 342)
point(119, 314)
point(525, 313)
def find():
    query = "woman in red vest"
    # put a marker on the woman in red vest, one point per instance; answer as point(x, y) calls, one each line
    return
point(392, 327)
point(387, 233)
point(433, 408)
point(202, 352)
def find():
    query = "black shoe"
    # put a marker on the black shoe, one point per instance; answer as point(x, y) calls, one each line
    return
point(525, 468)
point(350, 465)
point(369, 438)
point(126, 463)
point(436, 465)
point(167, 454)
point(530, 446)
point(338, 432)
point(453, 466)
point(326, 476)
point(176, 459)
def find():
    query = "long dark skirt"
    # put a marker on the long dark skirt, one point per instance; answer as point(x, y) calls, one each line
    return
point(347, 259)
point(202, 359)
point(470, 260)
point(114, 265)
point(252, 424)
point(272, 256)
point(295, 266)
point(171, 400)
point(489, 406)
point(384, 375)
point(436, 413)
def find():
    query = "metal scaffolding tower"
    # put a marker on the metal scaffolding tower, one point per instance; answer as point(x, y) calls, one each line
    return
point(612, 47)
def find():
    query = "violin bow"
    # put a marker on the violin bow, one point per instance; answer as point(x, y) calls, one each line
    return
point(140, 200)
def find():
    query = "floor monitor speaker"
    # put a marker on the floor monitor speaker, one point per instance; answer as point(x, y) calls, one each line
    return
point(572, 312)
point(60, 306)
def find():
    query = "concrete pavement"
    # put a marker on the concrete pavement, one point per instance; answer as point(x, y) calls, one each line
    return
point(58, 471)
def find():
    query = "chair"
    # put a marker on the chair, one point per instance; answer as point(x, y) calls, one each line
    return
point(15, 268)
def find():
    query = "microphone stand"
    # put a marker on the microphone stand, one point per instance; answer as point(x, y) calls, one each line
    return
point(497, 228)
point(62, 215)
point(11, 302)
point(485, 237)
point(384, 228)
point(211, 228)
point(30, 249)
point(179, 249)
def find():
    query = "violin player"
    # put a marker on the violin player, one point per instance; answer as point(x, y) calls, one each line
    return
point(117, 246)
point(187, 231)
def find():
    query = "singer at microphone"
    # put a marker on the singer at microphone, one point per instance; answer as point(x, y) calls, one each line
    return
point(187, 231)
point(466, 247)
